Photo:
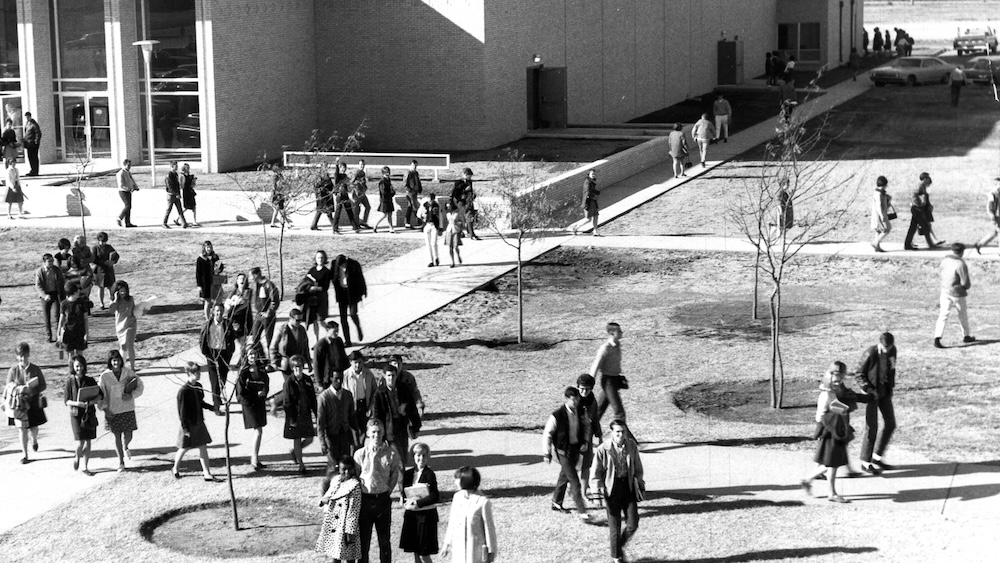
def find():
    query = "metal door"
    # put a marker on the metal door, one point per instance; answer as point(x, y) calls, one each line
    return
point(552, 111)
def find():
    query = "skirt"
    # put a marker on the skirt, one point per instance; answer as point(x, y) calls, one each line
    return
point(80, 430)
point(591, 208)
point(831, 453)
point(254, 414)
point(105, 279)
point(386, 206)
point(454, 240)
point(120, 423)
point(420, 532)
point(199, 437)
point(14, 195)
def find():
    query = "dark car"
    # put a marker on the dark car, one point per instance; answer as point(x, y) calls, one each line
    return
point(912, 71)
point(983, 70)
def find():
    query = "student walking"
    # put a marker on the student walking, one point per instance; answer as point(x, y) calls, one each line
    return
point(335, 420)
point(387, 205)
point(566, 432)
point(349, 289)
point(73, 321)
point(876, 377)
point(430, 213)
point(81, 394)
point(173, 185)
point(590, 195)
point(279, 200)
point(15, 195)
point(453, 232)
point(300, 409)
point(882, 213)
point(217, 345)
point(678, 148)
point(921, 215)
point(608, 363)
point(205, 268)
point(833, 430)
point(188, 181)
point(252, 387)
point(329, 355)
point(617, 476)
point(325, 202)
point(126, 186)
point(360, 189)
point(121, 387)
point(463, 197)
point(380, 471)
point(193, 433)
point(993, 210)
point(955, 284)
point(50, 285)
point(338, 537)
point(313, 292)
point(704, 133)
point(23, 398)
point(124, 310)
point(419, 535)
point(104, 259)
point(414, 187)
point(264, 307)
point(342, 194)
point(471, 536)
point(723, 116)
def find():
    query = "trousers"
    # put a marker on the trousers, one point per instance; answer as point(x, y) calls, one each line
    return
point(620, 502)
point(868, 442)
point(126, 214)
point(568, 477)
point(376, 510)
point(947, 302)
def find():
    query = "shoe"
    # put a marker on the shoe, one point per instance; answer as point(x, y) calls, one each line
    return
point(878, 248)
point(853, 474)
point(317, 228)
point(476, 237)
point(186, 225)
point(76, 464)
point(121, 468)
point(437, 261)
point(911, 247)
point(704, 165)
point(375, 230)
point(24, 461)
point(726, 140)
point(120, 224)
point(166, 226)
point(452, 266)
point(258, 466)
point(838, 499)
point(937, 343)
point(211, 479)
point(34, 447)
point(870, 469)
point(978, 249)
point(430, 265)
point(822, 477)
point(559, 508)
point(87, 472)
point(129, 226)
point(175, 473)
point(883, 465)
point(177, 222)
point(128, 454)
point(806, 486)
point(967, 339)
point(303, 470)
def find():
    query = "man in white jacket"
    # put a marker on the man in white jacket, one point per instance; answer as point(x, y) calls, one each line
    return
point(955, 284)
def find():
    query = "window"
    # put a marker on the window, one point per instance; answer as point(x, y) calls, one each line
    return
point(801, 40)
point(10, 69)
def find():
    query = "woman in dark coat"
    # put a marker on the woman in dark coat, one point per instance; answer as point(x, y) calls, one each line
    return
point(386, 204)
point(188, 194)
point(419, 535)
point(82, 414)
point(349, 289)
point(73, 320)
point(300, 410)
point(193, 433)
point(313, 295)
point(204, 275)
point(251, 389)
point(833, 429)
point(238, 312)
point(105, 259)
point(25, 379)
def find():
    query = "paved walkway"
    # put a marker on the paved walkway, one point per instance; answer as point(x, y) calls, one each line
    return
point(404, 290)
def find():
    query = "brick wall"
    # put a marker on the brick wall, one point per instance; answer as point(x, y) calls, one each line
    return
point(264, 77)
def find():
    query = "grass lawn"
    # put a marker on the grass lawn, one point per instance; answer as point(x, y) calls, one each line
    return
point(156, 264)
point(921, 133)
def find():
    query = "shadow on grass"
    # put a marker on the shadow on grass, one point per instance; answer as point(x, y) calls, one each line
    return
point(729, 442)
point(446, 461)
point(147, 335)
point(458, 414)
point(173, 308)
point(767, 555)
point(715, 506)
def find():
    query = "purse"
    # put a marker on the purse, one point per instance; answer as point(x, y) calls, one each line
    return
point(891, 215)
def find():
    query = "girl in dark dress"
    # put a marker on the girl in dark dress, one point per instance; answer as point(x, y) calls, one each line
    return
point(82, 414)
point(833, 429)
point(251, 389)
point(193, 433)
point(73, 320)
point(386, 204)
point(83, 257)
point(105, 259)
point(26, 380)
point(316, 300)
point(238, 311)
point(187, 194)
point(419, 535)
point(63, 255)
point(204, 275)
point(300, 410)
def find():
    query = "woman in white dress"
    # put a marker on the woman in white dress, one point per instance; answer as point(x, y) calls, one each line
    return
point(471, 535)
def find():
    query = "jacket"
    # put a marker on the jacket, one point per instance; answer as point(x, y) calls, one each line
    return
point(228, 340)
point(335, 415)
point(356, 289)
point(867, 376)
point(190, 403)
point(557, 431)
point(41, 282)
point(329, 356)
point(173, 184)
point(414, 186)
point(32, 133)
point(115, 400)
point(265, 298)
point(426, 504)
point(703, 130)
point(602, 472)
point(288, 342)
point(204, 273)
point(955, 280)
point(590, 191)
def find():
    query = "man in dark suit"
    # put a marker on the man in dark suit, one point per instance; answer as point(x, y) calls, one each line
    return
point(414, 187)
point(876, 376)
point(173, 184)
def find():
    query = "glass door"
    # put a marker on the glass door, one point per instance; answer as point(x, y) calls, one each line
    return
point(86, 131)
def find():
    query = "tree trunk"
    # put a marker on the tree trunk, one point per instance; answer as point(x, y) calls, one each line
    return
point(520, 299)
point(774, 347)
point(229, 467)
point(777, 349)
point(281, 261)
point(756, 283)
point(267, 256)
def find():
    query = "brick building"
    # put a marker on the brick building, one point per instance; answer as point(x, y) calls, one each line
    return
point(233, 79)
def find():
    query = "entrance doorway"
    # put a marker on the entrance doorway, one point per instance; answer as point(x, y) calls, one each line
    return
point(546, 97)
point(86, 126)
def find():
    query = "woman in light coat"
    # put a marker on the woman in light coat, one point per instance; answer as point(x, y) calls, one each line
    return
point(340, 536)
point(471, 535)
point(881, 203)
point(120, 386)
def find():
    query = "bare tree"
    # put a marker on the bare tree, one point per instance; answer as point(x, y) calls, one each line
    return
point(81, 163)
point(521, 212)
point(795, 200)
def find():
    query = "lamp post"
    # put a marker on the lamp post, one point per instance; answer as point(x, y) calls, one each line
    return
point(147, 56)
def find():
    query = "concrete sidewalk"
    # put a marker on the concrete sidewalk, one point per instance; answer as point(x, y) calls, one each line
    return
point(404, 290)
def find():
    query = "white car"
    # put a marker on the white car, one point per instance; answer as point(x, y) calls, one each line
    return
point(912, 71)
point(972, 40)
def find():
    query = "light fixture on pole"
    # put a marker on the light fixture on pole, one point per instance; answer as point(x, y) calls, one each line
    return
point(147, 56)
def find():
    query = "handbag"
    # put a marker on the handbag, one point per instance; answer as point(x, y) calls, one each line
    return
point(622, 382)
point(891, 215)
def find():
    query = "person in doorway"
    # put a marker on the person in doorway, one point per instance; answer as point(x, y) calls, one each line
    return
point(32, 140)
point(704, 133)
point(414, 187)
point(955, 284)
point(723, 116)
point(349, 289)
point(9, 141)
point(126, 185)
point(876, 377)
point(173, 185)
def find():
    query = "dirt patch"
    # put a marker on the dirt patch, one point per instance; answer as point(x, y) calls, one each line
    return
point(268, 528)
point(726, 320)
point(740, 401)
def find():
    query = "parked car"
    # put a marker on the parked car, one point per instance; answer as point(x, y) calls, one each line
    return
point(980, 69)
point(973, 40)
point(912, 71)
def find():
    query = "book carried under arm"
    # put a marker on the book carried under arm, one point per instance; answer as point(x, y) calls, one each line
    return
point(417, 492)
point(88, 393)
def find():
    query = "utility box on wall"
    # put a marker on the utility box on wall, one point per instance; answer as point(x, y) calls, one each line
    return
point(730, 62)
